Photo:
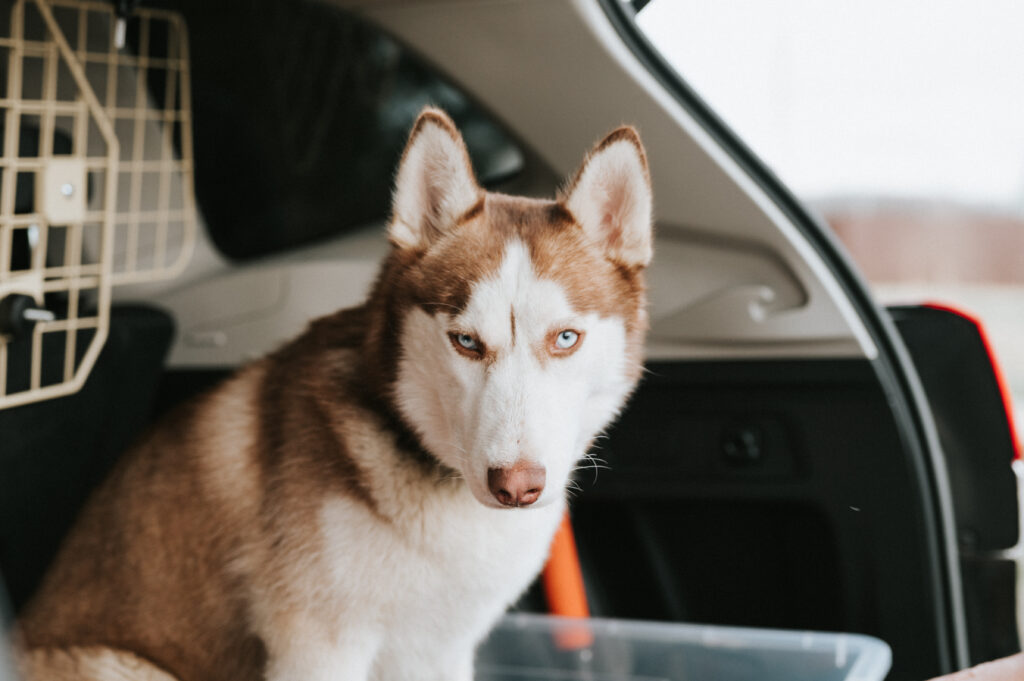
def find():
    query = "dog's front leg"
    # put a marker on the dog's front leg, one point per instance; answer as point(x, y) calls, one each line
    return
point(456, 666)
point(462, 670)
point(348, 658)
point(407, 661)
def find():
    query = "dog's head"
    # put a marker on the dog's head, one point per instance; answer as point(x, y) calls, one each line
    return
point(519, 322)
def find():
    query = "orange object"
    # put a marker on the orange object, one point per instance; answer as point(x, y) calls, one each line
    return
point(563, 586)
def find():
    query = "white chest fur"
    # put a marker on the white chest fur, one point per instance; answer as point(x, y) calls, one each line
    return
point(418, 591)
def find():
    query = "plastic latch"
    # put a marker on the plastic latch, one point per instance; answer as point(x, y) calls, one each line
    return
point(61, 193)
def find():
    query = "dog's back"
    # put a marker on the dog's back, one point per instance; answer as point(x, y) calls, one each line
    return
point(157, 562)
point(148, 566)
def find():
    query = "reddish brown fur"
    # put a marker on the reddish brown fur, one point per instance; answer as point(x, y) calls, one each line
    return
point(432, 116)
point(145, 569)
point(152, 564)
point(442, 279)
point(149, 565)
point(625, 133)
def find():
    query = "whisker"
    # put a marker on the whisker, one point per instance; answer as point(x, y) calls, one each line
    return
point(592, 462)
point(573, 489)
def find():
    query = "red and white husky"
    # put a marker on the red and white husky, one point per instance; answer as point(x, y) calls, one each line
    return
point(366, 501)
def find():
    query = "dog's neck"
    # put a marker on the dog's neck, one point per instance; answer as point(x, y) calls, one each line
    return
point(371, 331)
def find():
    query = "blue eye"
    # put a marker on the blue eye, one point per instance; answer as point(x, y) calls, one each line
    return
point(467, 344)
point(566, 339)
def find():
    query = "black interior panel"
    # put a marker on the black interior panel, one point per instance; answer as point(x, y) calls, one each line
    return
point(956, 372)
point(778, 568)
point(768, 494)
point(301, 111)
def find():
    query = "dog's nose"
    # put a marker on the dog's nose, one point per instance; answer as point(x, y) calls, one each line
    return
point(519, 485)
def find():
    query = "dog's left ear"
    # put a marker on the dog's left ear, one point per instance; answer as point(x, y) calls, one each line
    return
point(435, 185)
point(610, 196)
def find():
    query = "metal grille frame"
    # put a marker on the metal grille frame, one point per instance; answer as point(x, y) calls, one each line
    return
point(81, 124)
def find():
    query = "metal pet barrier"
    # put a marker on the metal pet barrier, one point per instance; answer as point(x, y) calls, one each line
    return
point(96, 180)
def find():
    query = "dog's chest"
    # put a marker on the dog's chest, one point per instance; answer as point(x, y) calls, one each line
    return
point(454, 560)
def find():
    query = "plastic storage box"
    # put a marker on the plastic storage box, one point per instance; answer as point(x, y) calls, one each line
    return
point(542, 648)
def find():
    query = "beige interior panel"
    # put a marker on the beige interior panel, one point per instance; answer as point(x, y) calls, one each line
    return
point(732, 276)
point(573, 80)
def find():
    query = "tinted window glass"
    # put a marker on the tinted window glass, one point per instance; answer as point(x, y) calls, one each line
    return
point(300, 114)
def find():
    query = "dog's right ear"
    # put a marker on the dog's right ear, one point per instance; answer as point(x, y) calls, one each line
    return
point(435, 185)
point(610, 197)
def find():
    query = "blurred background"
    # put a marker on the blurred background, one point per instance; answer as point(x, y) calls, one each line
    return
point(901, 123)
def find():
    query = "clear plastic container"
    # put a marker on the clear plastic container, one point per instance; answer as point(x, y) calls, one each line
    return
point(541, 648)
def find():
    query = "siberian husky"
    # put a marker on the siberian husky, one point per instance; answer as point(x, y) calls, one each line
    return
point(366, 501)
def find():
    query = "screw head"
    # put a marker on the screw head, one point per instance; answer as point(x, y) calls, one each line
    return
point(742, 444)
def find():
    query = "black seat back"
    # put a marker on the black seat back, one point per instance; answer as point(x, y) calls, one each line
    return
point(53, 453)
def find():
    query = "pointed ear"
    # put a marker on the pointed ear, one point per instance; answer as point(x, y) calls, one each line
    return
point(435, 185)
point(610, 197)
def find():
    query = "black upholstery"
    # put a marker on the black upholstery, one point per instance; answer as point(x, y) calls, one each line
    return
point(764, 493)
point(53, 453)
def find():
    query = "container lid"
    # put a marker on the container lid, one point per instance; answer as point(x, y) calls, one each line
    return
point(525, 647)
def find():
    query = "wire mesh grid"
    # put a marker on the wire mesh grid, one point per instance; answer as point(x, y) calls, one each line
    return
point(95, 179)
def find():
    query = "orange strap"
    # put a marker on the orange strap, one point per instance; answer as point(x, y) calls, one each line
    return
point(563, 586)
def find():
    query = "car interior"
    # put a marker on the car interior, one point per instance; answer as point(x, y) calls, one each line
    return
point(796, 456)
